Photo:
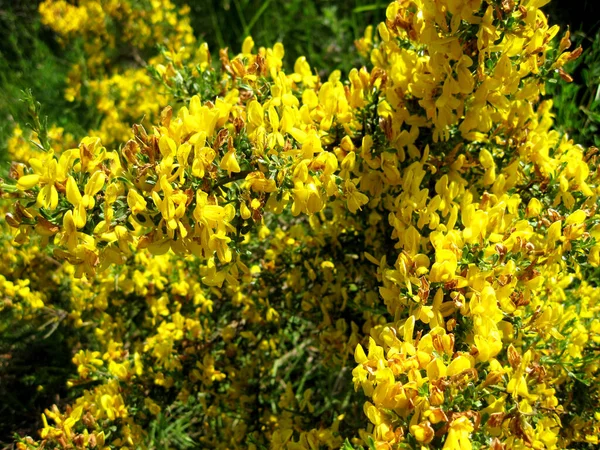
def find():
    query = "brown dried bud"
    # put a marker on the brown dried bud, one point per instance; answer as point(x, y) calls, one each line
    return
point(22, 212)
point(565, 42)
point(225, 63)
point(239, 123)
point(88, 420)
point(12, 220)
point(140, 133)
point(517, 426)
point(564, 75)
point(221, 138)
point(497, 445)
point(492, 378)
point(514, 357)
point(47, 226)
point(508, 6)
point(575, 54)
point(523, 11)
point(152, 150)
point(16, 170)
point(260, 62)
point(496, 419)
point(238, 68)
point(130, 151)
point(502, 250)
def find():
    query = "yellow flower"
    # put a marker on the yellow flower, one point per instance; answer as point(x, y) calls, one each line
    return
point(229, 162)
point(136, 202)
point(47, 172)
point(354, 198)
point(172, 206)
point(87, 201)
point(458, 437)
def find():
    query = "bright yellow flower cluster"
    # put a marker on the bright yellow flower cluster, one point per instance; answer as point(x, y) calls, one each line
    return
point(118, 40)
point(404, 258)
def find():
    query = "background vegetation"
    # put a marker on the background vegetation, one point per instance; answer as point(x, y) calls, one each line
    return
point(322, 30)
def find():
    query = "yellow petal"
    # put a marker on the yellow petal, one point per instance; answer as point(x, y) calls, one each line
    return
point(28, 181)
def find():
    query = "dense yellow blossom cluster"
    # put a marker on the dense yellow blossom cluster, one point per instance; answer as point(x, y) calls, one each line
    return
point(116, 39)
point(406, 257)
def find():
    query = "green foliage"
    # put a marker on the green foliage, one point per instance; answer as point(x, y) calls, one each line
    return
point(171, 429)
point(31, 352)
point(323, 31)
point(577, 104)
point(30, 58)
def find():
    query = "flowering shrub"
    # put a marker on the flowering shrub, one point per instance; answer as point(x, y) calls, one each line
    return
point(403, 258)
